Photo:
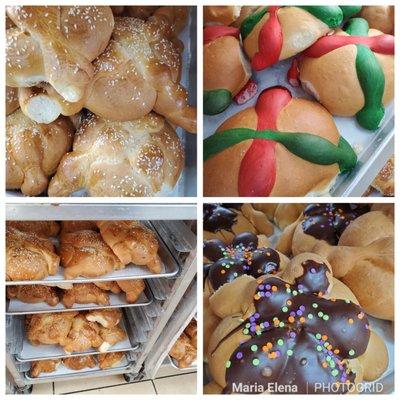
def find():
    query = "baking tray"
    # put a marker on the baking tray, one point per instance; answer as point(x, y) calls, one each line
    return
point(187, 184)
point(173, 362)
point(65, 373)
point(170, 268)
point(373, 148)
point(47, 351)
point(17, 307)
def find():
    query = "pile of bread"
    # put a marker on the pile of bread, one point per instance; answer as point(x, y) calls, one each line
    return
point(93, 98)
point(104, 361)
point(86, 248)
point(297, 312)
point(76, 332)
point(184, 350)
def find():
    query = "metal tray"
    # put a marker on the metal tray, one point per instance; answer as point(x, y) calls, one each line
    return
point(187, 184)
point(65, 373)
point(46, 351)
point(169, 269)
point(373, 148)
point(173, 362)
point(17, 307)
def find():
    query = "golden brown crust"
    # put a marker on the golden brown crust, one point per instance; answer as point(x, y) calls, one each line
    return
point(58, 51)
point(132, 288)
point(49, 328)
point(384, 182)
point(43, 229)
point(108, 318)
point(80, 362)
point(110, 360)
point(221, 15)
point(47, 366)
point(132, 242)
point(84, 253)
point(12, 102)
point(225, 54)
point(29, 257)
point(33, 151)
point(134, 158)
point(140, 71)
point(84, 293)
point(33, 294)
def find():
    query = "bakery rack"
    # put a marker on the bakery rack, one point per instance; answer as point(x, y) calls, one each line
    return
point(166, 306)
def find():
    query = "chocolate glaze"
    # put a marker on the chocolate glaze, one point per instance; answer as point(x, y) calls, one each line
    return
point(296, 337)
point(241, 257)
point(328, 221)
point(217, 218)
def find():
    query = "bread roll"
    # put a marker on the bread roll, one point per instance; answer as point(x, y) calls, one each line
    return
point(141, 158)
point(290, 163)
point(33, 151)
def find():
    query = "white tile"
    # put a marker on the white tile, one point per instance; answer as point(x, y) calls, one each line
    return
point(168, 370)
point(86, 383)
point(42, 388)
point(180, 384)
point(145, 387)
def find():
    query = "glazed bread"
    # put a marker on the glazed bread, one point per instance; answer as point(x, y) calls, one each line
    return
point(84, 293)
point(132, 288)
point(140, 71)
point(132, 242)
point(33, 294)
point(33, 151)
point(38, 367)
point(43, 229)
point(56, 45)
point(28, 256)
point(108, 318)
point(80, 362)
point(116, 159)
point(384, 181)
point(110, 360)
point(84, 253)
point(221, 15)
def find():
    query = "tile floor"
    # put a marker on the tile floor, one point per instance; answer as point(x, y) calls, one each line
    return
point(167, 381)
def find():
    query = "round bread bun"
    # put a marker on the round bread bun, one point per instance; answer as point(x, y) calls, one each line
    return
point(225, 54)
point(300, 30)
point(379, 17)
point(332, 78)
point(294, 175)
point(222, 15)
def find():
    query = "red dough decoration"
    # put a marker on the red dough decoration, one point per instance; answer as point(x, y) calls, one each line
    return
point(382, 44)
point(258, 168)
point(270, 41)
point(213, 32)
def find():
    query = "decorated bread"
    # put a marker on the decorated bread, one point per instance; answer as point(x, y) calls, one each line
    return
point(302, 329)
point(283, 146)
point(224, 221)
point(244, 255)
point(351, 72)
point(272, 33)
point(226, 15)
point(379, 17)
point(359, 245)
point(226, 70)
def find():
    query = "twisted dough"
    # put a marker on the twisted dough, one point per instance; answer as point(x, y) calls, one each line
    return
point(139, 71)
point(56, 45)
point(134, 158)
point(33, 151)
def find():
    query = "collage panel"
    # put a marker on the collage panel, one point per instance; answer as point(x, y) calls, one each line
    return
point(101, 298)
point(298, 298)
point(101, 101)
point(305, 107)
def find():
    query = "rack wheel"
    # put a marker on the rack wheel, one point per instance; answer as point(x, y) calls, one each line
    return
point(27, 389)
point(129, 378)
